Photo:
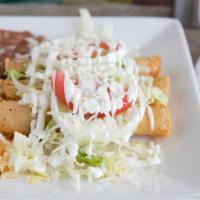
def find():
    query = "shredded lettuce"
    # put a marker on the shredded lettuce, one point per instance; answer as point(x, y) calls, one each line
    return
point(14, 73)
point(69, 144)
point(159, 95)
point(94, 161)
point(23, 158)
point(35, 178)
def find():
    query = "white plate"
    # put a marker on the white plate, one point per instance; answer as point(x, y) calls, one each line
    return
point(179, 177)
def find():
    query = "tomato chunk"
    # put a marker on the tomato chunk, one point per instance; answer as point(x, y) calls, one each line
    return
point(59, 86)
point(104, 46)
point(59, 91)
point(125, 106)
point(94, 54)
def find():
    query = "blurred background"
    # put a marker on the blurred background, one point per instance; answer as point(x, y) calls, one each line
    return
point(187, 11)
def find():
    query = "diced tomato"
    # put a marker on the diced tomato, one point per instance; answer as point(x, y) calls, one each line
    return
point(59, 86)
point(104, 46)
point(70, 106)
point(125, 106)
point(99, 115)
point(94, 54)
point(59, 91)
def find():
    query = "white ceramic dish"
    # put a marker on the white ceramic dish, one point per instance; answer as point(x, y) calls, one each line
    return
point(179, 177)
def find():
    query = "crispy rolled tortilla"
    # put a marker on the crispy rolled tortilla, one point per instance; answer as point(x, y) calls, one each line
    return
point(16, 64)
point(162, 82)
point(153, 63)
point(162, 118)
point(8, 90)
point(2, 147)
point(162, 122)
point(14, 117)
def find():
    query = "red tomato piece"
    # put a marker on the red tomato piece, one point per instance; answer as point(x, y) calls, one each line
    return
point(104, 46)
point(125, 106)
point(94, 54)
point(59, 86)
point(59, 91)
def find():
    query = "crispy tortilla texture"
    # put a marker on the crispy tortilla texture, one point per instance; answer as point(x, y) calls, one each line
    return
point(8, 90)
point(162, 120)
point(162, 117)
point(152, 62)
point(163, 83)
point(16, 64)
point(14, 117)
